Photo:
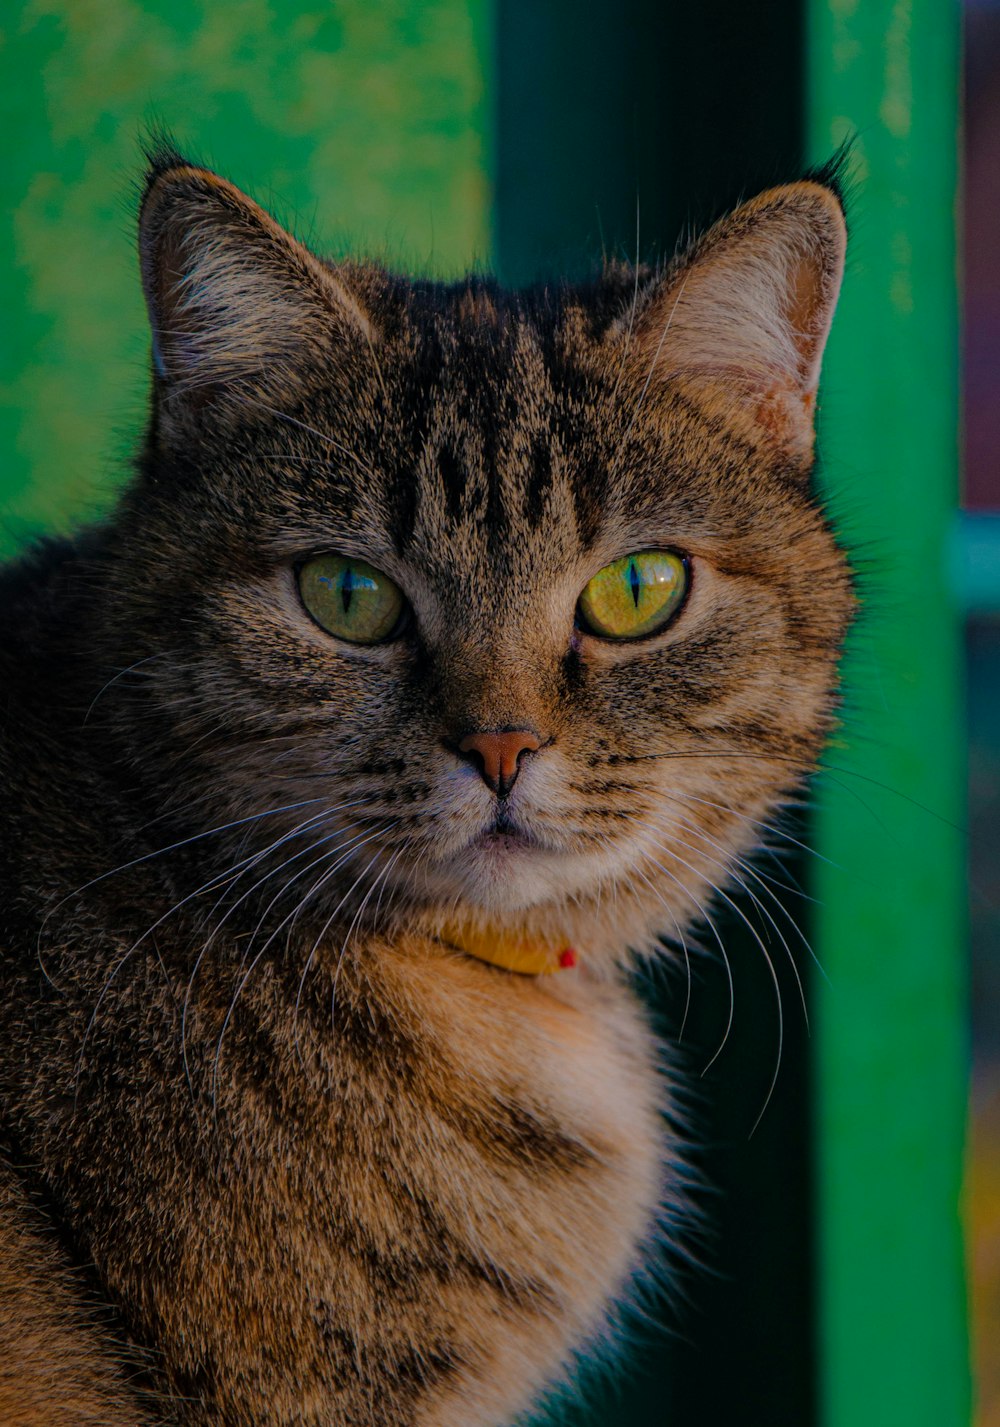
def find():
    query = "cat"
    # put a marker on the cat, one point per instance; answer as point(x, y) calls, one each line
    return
point(447, 647)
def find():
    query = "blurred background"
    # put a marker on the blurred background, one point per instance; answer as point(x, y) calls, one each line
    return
point(980, 575)
point(852, 1215)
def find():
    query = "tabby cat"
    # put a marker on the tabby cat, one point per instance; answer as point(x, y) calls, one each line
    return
point(447, 647)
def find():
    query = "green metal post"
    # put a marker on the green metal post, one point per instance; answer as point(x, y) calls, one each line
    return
point(891, 1039)
point(360, 124)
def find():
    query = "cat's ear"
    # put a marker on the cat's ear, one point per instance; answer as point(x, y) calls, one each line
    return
point(742, 320)
point(239, 309)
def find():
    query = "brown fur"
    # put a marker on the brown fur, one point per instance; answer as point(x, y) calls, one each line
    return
point(318, 1166)
point(59, 1362)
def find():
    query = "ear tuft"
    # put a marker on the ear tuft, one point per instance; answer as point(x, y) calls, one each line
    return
point(236, 304)
point(161, 153)
point(742, 319)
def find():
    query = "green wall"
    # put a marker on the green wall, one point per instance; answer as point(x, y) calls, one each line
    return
point(368, 124)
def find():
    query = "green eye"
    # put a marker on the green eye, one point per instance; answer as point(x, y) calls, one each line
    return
point(634, 596)
point(351, 599)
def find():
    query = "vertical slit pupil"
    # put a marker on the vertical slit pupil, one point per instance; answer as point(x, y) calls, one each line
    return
point(347, 588)
point(635, 584)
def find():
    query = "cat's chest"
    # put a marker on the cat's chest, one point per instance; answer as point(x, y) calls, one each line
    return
point(450, 1198)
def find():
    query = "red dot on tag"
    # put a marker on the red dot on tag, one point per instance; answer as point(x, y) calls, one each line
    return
point(567, 958)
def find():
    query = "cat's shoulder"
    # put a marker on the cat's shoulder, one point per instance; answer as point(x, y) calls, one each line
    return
point(45, 596)
point(40, 577)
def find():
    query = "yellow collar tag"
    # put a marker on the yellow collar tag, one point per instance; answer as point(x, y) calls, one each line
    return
point(513, 953)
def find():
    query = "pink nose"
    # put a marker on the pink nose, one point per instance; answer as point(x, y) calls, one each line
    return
point(498, 755)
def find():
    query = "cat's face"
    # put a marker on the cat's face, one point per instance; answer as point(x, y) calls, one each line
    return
point(488, 457)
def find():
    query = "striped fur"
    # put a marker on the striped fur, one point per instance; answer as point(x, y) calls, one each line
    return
point(288, 1158)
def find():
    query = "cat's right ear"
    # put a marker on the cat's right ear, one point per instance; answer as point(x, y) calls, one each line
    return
point(240, 311)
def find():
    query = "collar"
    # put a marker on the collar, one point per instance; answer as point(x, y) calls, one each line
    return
point(514, 953)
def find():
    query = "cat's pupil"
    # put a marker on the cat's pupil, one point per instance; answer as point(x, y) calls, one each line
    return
point(347, 584)
point(634, 582)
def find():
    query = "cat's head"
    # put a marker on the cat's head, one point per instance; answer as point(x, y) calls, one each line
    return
point(520, 606)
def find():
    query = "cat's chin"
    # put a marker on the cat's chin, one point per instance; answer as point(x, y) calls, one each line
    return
point(503, 843)
point(500, 872)
point(503, 873)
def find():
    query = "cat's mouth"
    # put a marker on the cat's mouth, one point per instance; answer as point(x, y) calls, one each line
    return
point(505, 835)
point(513, 841)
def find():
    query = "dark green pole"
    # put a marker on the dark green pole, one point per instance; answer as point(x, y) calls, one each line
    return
point(891, 1038)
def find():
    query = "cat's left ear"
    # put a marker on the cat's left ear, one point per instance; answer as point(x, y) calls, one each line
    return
point(240, 311)
point(741, 322)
